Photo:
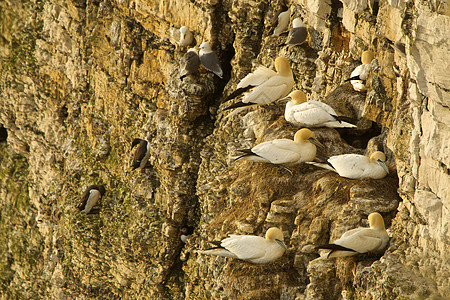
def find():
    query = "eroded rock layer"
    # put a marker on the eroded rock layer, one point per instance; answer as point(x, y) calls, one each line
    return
point(80, 79)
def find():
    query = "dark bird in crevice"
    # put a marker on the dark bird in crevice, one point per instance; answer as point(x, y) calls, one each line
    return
point(90, 197)
point(141, 154)
point(186, 232)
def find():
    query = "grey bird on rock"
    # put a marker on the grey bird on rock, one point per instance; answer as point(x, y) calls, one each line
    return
point(209, 59)
point(298, 34)
point(189, 63)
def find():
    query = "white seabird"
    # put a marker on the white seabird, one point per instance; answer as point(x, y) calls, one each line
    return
point(254, 249)
point(311, 113)
point(141, 154)
point(360, 240)
point(189, 63)
point(90, 197)
point(257, 77)
point(282, 22)
point(269, 86)
point(356, 166)
point(186, 37)
point(209, 59)
point(284, 151)
point(298, 34)
point(360, 73)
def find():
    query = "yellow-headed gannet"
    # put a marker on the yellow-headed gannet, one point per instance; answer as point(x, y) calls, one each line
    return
point(209, 59)
point(254, 249)
point(189, 63)
point(312, 113)
point(186, 37)
point(141, 154)
point(360, 240)
point(284, 151)
point(90, 197)
point(356, 166)
point(360, 73)
point(298, 34)
point(269, 86)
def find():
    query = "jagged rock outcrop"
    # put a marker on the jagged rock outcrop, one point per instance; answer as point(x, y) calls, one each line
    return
point(80, 79)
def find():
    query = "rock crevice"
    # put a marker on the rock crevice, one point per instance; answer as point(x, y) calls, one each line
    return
point(80, 79)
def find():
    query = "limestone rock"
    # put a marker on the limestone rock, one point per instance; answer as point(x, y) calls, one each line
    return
point(80, 79)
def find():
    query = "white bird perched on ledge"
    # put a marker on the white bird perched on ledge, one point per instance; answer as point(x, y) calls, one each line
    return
point(284, 151)
point(268, 85)
point(209, 59)
point(254, 249)
point(186, 36)
point(360, 240)
point(360, 73)
point(356, 166)
point(311, 113)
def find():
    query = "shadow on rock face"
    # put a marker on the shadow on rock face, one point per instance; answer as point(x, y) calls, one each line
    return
point(3, 134)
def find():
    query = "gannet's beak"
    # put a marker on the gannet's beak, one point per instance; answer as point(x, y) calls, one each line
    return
point(383, 165)
point(316, 142)
point(285, 100)
point(281, 243)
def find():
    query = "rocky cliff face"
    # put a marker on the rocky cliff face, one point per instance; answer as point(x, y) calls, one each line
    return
point(81, 79)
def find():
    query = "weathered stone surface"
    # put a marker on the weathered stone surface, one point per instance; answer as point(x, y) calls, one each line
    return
point(80, 79)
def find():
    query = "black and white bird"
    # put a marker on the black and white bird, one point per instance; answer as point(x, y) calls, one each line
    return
point(90, 197)
point(141, 154)
point(189, 63)
point(360, 73)
point(254, 249)
point(284, 151)
point(357, 166)
point(360, 240)
point(267, 85)
point(209, 59)
point(298, 34)
point(186, 232)
point(301, 112)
